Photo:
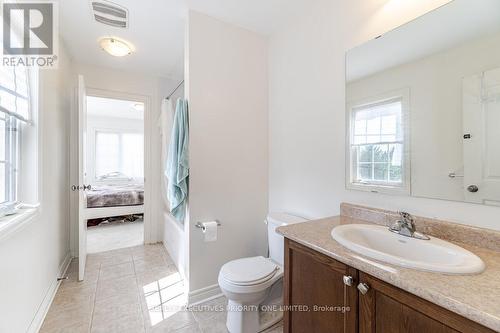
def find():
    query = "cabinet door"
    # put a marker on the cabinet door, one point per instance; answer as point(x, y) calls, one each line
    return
point(384, 308)
point(315, 296)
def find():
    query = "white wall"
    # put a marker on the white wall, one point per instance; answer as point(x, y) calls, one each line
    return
point(227, 92)
point(307, 111)
point(153, 89)
point(435, 109)
point(31, 258)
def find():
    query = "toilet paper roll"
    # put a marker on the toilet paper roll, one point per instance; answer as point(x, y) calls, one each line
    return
point(210, 231)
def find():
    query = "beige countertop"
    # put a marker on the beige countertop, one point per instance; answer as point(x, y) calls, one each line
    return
point(476, 297)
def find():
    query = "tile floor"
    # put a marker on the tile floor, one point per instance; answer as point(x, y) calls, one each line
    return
point(132, 290)
point(115, 235)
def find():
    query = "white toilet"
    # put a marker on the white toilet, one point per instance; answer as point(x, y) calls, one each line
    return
point(251, 284)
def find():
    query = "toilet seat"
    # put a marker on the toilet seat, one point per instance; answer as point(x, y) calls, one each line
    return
point(249, 275)
point(249, 271)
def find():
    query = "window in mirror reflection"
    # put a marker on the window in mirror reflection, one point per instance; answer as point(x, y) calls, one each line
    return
point(377, 144)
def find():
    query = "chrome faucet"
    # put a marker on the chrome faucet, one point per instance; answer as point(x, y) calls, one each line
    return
point(406, 227)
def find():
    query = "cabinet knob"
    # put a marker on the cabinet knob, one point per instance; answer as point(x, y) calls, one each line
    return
point(348, 280)
point(363, 288)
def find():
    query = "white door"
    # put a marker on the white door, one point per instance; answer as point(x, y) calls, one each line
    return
point(481, 108)
point(82, 195)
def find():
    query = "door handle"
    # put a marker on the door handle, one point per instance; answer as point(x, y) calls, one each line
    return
point(84, 187)
point(363, 288)
point(348, 280)
point(472, 188)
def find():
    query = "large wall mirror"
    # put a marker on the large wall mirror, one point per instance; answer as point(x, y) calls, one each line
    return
point(423, 107)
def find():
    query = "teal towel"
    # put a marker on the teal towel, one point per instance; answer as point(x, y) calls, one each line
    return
point(178, 162)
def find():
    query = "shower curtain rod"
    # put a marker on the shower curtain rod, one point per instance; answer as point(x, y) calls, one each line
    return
point(173, 91)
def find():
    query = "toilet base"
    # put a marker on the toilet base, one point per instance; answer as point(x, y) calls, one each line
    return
point(246, 318)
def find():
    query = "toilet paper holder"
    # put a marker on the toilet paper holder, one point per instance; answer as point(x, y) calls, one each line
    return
point(199, 225)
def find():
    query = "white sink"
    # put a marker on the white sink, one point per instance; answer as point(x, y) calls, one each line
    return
point(434, 255)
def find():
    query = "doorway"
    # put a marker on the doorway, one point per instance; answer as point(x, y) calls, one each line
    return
point(115, 173)
point(113, 155)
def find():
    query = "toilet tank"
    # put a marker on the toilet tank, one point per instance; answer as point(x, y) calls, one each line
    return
point(275, 240)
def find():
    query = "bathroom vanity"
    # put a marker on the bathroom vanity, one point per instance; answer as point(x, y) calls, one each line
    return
point(328, 288)
point(314, 279)
point(422, 111)
point(422, 120)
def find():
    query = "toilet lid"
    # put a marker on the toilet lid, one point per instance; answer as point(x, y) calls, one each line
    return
point(249, 271)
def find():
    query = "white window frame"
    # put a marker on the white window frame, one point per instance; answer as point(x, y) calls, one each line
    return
point(13, 128)
point(380, 187)
point(95, 177)
point(12, 150)
point(27, 170)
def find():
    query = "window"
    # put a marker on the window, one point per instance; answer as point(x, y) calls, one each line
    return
point(14, 112)
point(9, 146)
point(119, 155)
point(378, 145)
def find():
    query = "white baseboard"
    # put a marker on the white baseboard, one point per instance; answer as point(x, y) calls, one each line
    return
point(37, 321)
point(204, 294)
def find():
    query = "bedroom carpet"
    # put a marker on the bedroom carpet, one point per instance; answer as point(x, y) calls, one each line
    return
point(132, 290)
point(115, 235)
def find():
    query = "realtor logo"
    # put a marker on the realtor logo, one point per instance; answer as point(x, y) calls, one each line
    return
point(29, 33)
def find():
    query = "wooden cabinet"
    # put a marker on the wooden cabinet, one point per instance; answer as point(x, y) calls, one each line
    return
point(387, 309)
point(316, 297)
point(315, 294)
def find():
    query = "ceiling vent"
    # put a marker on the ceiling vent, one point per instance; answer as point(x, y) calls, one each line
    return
point(109, 13)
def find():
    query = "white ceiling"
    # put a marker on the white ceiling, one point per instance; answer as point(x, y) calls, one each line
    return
point(262, 16)
point(446, 27)
point(114, 108)
point(157, 29)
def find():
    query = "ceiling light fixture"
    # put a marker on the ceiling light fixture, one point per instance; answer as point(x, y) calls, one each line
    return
point(115, 46)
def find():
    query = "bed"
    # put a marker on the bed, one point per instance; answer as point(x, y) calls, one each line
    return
point(115, 200)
